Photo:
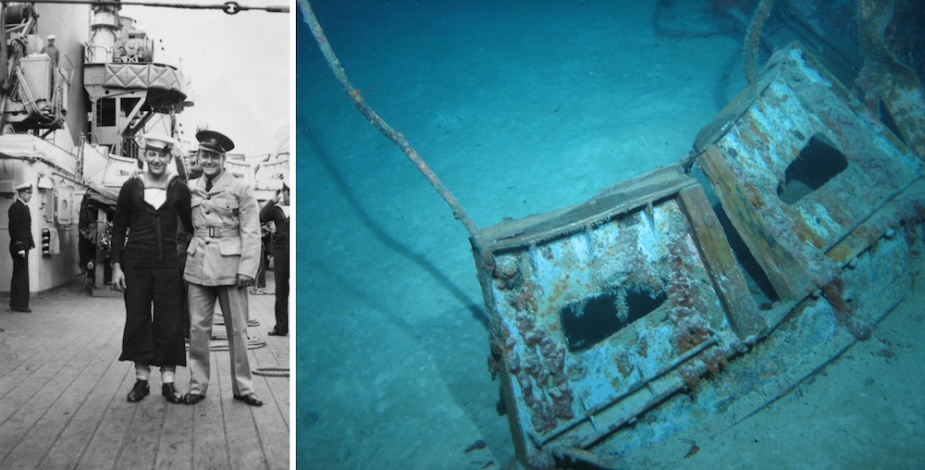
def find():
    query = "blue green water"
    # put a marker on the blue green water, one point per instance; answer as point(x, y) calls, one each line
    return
point(521, 108)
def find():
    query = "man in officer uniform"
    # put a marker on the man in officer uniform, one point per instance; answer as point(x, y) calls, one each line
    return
point(20, 243)
point(222, 261)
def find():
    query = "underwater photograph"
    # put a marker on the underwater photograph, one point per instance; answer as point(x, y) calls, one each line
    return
point(609, 234)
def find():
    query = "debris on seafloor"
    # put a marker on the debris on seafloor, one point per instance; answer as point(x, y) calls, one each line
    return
point(601, 313)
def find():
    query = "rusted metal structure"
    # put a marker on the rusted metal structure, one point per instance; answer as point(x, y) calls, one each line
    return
point(604, 311)
point(128, 83)
point(783, 156)
point(33, 95)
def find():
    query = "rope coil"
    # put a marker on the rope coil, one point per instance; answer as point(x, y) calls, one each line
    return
point(271, 371)
point(222, 345)
point(219, 321)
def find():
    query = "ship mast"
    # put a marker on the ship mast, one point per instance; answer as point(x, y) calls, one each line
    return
point(127, 84)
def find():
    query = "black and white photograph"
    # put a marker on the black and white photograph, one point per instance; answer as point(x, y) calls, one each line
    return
point(145, 198)
point(610, 234)
point(528, 234)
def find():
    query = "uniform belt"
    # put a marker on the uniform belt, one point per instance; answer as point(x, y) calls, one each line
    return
point(215, 232)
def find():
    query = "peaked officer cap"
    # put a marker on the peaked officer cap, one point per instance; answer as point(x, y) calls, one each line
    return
point(214, 141)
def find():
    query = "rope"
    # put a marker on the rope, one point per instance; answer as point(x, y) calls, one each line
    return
point(230, 7)
point(219, 321)
point(252, 343)
point(271, 371)
point(397, 138)
point(753, 37)
point(223, 335)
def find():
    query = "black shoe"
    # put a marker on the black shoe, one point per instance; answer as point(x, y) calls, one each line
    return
point(170, 392)
point(193, 398)
point(27, 309)
point(275, 332)
point(250, 399)
point(139, 391)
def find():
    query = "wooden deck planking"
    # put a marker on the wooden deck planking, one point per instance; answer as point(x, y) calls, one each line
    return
point(17, 388)
point(66, 391)
point(22, 349)
point(106, 380)
point(240, 429)
point(275, 354)
point(210, 447)
point(26, 403)
point(107, 442)
point(142, 436)
point(62, 397)
point(272, 419)
point(175, 449)
point(26, 357)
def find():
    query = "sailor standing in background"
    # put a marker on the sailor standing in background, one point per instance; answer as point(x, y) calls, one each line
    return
point(221, 263)
point(150, 208)
point(277, 211)
point(51, 50)
point(20, 243)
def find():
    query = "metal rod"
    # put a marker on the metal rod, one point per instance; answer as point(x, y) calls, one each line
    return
point(229, 7)
point(626, 393)
point(397, 138)
point(752, 38)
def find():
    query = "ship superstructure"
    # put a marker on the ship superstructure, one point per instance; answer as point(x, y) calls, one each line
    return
point(69, 119)
point(32, 94)
point(128, 83)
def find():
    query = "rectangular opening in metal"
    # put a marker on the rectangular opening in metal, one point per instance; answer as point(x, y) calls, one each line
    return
point(819, 161)
point(591, 320)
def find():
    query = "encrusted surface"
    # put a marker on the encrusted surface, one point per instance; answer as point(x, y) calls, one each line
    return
point(799, 106)
point(585, 319)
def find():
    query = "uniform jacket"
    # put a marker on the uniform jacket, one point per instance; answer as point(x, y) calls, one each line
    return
point(152, 238)
point(226, 232)
point(273, 213)
point(20, 226)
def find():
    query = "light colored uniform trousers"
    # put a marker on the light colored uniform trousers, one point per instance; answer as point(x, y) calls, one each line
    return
point(233, 302)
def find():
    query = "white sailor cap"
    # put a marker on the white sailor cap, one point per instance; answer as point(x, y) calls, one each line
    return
point(51, 37)
point(156, 141)
point(24, 187)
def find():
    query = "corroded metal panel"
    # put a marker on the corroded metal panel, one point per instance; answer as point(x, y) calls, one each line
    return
point(598, 303)
point(798, 164)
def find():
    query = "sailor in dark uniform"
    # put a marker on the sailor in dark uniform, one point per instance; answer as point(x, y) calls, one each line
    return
point(20, 243)
point(277, 211)
point(150, 208)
